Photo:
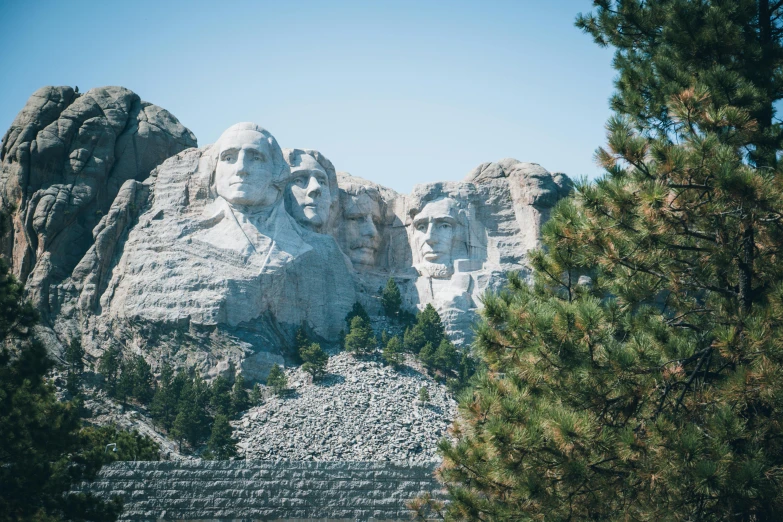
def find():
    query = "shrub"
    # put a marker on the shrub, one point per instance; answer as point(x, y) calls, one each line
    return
point(392, 352)
point(277, 379)
point(315, 360)
point(391, 300)
point(360, 339)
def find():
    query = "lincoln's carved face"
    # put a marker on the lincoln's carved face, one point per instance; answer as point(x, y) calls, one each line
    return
point(245, 169)
point(310, 192)
point(434, 231)
point(359, 232)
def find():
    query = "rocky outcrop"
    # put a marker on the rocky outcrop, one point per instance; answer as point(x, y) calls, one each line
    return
point(491, 220)
point(64, 160)
point(214, 257)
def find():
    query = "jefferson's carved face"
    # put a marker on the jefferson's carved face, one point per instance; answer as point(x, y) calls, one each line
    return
point(434, 231)
point(359, 233)
point(310, 192)
point(245, 169)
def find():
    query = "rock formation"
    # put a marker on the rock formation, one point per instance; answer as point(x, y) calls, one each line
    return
point(64, 159)
point(215, 256)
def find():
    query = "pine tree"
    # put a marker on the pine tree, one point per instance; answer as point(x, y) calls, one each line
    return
point(124, 388)
point(446, 357)
point(428, 329)
point(192, 423)
point(142, 380)
point(239, 399)
point(430, 325)
point(277, 379)
point(653, 392)
point(392, 352)
point(201, 394)
point(391, 300)
point(43, 452)
point(221, 444)
point(220, 396)
point(424, 394)
point(164, 402)
point(128, 445)
point(74, 360)
point(466, 369)
point(427, 355)
point(109, 367)
point(256, 398)
point(731, 49)
point(413, 340)
point(185, 426)
point(357, 311)
point(360, 339)
point(301, 342)
point(315, 360)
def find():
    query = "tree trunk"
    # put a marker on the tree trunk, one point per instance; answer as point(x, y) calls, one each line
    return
point(746, 266)
point(765, 149)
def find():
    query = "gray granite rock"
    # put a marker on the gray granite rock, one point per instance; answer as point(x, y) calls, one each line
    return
point(265, 490)
point(361, 410)
point(214, 257)
point(63, 162)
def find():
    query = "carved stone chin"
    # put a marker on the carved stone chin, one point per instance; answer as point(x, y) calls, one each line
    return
point(434, 270)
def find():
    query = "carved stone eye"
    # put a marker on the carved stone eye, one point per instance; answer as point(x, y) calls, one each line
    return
point(299, 182)
point(445, 226)
point(421, 227)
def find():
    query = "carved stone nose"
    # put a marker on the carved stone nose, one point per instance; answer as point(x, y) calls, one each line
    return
point(368, 228)
point(313, 187)
point(429, 237)
point(241, 170)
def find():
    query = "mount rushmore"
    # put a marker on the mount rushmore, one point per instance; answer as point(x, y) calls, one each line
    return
point(123, 231)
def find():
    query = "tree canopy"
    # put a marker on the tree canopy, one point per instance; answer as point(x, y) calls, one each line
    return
point(641, 376)
point(43, 451)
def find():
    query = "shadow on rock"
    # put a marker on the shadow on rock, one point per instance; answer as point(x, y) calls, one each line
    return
point(330, 379)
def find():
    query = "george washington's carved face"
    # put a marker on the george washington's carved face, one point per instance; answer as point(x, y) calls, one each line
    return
point(245, 169)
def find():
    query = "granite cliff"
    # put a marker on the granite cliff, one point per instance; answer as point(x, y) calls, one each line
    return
point(124, 232)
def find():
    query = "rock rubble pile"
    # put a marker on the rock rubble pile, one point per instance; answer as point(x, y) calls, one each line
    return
point(361, 410)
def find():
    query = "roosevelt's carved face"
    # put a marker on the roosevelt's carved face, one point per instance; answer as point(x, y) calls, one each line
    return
point(434, 231)
point(312, 198)
point(245, 169)
point(359, 233)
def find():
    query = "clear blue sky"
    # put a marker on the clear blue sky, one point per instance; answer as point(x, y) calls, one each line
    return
point(396, 92)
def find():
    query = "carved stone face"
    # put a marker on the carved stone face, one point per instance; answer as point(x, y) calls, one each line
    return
point(245, 169)
point(360, 236)
point(434, 231)
point(310, 192)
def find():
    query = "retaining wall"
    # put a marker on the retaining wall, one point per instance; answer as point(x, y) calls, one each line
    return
point(264, 490)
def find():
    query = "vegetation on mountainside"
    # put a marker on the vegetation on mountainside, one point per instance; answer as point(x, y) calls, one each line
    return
point(641, 376)
point(391, 299)
point(392, 352)
point(277, 379)
point(44, 450)
point(360, 339)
